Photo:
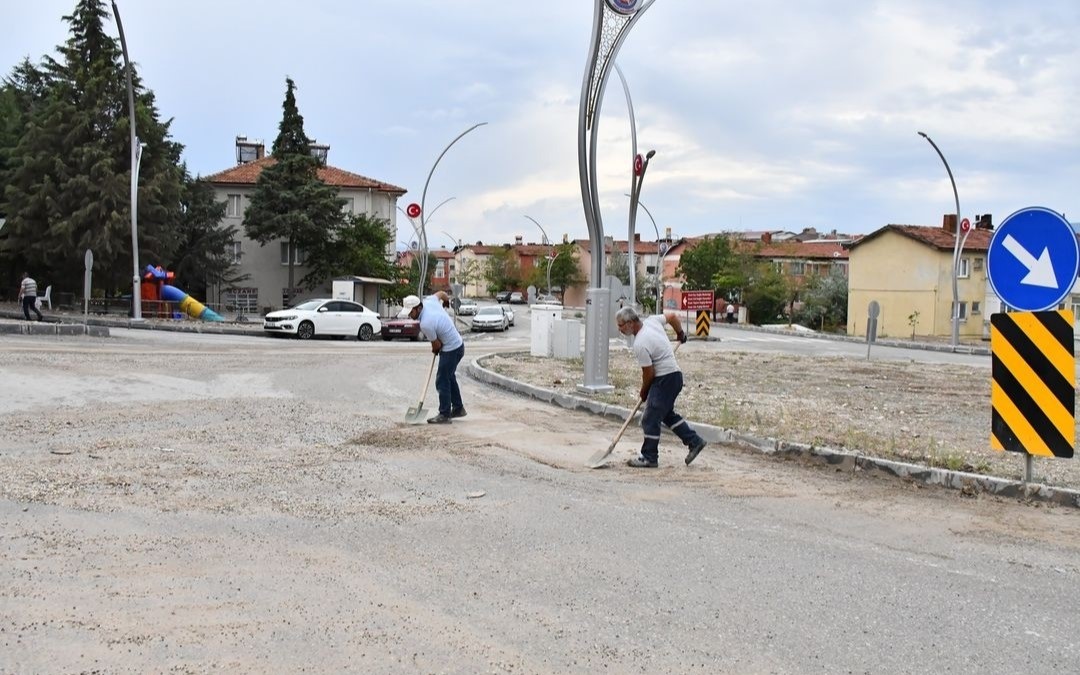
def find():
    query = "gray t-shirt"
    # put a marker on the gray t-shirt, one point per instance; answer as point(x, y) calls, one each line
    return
point(652, 347)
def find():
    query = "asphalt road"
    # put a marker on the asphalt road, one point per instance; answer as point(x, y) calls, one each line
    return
point(258, 505)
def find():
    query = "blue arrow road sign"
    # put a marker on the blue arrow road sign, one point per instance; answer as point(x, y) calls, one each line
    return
point(1033, 260)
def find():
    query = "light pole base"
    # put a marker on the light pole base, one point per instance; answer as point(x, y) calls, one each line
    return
point(595, 388)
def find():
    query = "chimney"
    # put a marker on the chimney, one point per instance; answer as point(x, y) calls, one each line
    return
point(517, 240)
point(319, 151)
point(637, 237)
point(667, 233)
point(767, 237)
point(948, 223)
point(248, 151)
point(565, 238)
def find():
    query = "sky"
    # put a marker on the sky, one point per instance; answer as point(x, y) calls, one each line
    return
point(772, 115)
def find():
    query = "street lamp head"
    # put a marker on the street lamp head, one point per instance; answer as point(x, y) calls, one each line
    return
point(649, 154)
point(921, 134)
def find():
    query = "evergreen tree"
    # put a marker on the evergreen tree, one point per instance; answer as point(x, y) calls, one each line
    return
point(290, 202)
point(358, 247)
point(205, 255)
point(68, 186)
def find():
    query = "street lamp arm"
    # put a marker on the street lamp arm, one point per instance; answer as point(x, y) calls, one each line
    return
point(547, 239)
point(136, 152)
point(957, 246)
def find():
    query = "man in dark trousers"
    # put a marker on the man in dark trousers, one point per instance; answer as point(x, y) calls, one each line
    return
point(446, 341)
point(28, 296)
point(661, 382)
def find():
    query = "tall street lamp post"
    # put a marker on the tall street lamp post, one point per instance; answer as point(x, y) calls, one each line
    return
point(640, 166)
point(659, 258)
point(958, 247)
point(136, 160)
point(551, 261)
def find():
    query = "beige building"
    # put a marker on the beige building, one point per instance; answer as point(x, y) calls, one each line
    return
point(268, 266)
point(907, 269)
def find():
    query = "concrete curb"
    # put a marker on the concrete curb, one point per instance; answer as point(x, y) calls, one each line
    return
point(147, 324)
point(49, 328)
point(969, 484)
point(900, 344)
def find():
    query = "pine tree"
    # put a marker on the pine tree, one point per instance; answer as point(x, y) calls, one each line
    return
point(290, 202)
point(205, 254)
point(68, 185)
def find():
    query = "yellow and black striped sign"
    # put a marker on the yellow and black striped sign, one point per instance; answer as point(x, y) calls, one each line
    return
point(1032, 392)
point(703, 323)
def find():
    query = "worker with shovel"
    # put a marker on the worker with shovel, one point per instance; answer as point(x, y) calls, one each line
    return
point(446, 342)
point(661, 382)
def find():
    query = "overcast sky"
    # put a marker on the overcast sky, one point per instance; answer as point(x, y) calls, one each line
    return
point(771, 115)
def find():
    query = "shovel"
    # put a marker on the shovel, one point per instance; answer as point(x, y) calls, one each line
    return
point(416, 413)
point(599, 458)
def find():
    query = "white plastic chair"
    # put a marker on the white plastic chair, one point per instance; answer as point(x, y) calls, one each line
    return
point(46, 299)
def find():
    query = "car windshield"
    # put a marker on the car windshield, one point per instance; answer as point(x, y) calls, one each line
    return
point(468, 301)
point(493, 311)
point(309, 306)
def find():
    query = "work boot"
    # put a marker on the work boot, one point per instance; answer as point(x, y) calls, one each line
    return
point(439, 419)
point(641, 463)
point(694, 451)
point(460, 412)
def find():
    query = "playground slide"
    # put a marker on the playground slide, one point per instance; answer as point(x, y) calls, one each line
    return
point(188, 304)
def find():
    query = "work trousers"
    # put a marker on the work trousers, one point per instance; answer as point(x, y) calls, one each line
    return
point(446, 380)
point(660, 409)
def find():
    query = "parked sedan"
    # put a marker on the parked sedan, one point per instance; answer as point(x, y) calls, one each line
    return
point(490, 318)
point(401, 327)
point(339, 318)
point(467, 306)
point(502, 296)
point(516, 298)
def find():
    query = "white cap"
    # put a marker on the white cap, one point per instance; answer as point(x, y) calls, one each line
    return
point(410, 301)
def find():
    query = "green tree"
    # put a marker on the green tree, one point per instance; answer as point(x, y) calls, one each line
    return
point(714, 264)
point(469, 271)
point(825, 301)
point(502, 271)
point(290, 202)
point(565, 271)
point(205, 254)
point(357, 247)
point(67, 182)
point(766, 294)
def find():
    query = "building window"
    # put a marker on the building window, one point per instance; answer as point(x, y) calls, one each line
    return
point(232, 206)
point(964, 270)
point(975, 307)
point(236, 253)
point(962, 311)
point(298, 254)
point(797, 268)
point(650, 269)
point(440, 268)
point(348, 206)
point(978, 264)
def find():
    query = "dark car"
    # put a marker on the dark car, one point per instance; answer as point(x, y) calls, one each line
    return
point(401, 327)
point(502, 296)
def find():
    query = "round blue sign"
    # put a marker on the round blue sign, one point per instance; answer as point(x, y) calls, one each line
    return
point(623, 6)
point(1033, 260)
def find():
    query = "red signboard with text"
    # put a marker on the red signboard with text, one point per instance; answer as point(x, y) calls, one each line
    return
point(697, 300)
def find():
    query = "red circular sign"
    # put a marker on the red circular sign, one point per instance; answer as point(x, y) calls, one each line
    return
point(965, 225)
point(413, 210)
point(553, 254)
point(639, 164)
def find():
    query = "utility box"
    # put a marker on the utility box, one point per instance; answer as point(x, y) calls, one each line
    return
point(566, 339)
point(543, 319)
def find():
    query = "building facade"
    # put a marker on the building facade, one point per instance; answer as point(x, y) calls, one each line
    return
point(267, 266)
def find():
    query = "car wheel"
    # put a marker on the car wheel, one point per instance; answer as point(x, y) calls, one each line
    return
point(305, 331)
point(365, 333)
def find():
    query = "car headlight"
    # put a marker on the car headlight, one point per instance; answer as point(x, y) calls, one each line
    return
point(291, 317)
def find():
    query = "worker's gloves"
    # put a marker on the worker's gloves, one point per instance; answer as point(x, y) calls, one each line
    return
point(681, 336)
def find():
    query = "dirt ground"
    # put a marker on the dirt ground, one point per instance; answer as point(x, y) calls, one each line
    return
point(936, 415)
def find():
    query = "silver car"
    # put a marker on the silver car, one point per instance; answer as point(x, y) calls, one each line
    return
point(467, 306)
point(490, 318)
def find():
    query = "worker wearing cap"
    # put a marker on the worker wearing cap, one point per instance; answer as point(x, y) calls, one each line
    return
point(437, 326)
point(661, 382)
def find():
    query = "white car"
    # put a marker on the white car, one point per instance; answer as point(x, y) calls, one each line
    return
point(509, 314)
point(490, 318)
point(467, 306)
point(341, 318)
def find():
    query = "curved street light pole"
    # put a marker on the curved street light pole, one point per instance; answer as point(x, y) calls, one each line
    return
point(635, 195)
point(958, 246)
point(136, 160)
point(551, 261)
point(423, 200)
point(546, 241)
point(631, 220)
point(659, 257)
